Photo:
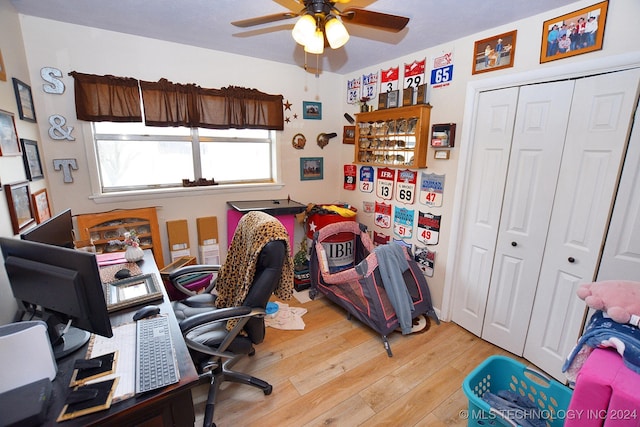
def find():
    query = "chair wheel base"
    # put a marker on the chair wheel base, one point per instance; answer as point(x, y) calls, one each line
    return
point(267, 391)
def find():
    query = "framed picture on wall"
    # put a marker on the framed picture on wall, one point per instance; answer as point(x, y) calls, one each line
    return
point(349, 135)
point(574, 33)
point(24, 99)
point(311, 110)
point(9, 145)
point(19, 204)
point(311, 168)
point(3, 71)
point(41, 208)
point(31, 158)
point(494, 53)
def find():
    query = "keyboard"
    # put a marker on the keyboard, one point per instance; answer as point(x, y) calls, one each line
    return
point(156, 365)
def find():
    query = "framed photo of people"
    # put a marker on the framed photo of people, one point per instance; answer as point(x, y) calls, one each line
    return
point(574, 33)
point(494, 53)
point(311, 168)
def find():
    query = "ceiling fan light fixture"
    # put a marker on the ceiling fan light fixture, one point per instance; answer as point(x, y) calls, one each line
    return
point(315, 44)
point(304, 29)
point(336, 32)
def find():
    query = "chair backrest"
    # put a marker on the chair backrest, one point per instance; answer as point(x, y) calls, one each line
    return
point(267, 276)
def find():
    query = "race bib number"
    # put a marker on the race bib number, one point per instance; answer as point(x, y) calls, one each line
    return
point(389, 79)
point(383, 215)
point(384, 183)
point(370, 85)
point(353, 90)
point(425, 259)
point(350, 177)
point(431, 189)
point(414, 73)
point(428, 228)
point(406, 186)
point(403, 223)
point(366, 179)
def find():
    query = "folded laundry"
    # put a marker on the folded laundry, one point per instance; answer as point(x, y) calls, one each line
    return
point(519, 409)
point(602, 332)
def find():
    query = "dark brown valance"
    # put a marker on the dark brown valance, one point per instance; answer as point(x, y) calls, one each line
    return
point(174, 104)
point(169, 104)
point(106, 98)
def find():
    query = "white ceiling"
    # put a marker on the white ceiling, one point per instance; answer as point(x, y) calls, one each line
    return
point(206, 23)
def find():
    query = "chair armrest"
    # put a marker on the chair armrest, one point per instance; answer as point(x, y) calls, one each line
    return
point(216, 315)
point(198, 268)
point(178, 276)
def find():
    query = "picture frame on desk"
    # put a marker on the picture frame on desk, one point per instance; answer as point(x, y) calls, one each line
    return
point(132, 291)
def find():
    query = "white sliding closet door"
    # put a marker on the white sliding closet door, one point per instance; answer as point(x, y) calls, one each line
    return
point(483, 203)
point(536, 151)
point(536, 209)
point(597, 136)
point(621, 255)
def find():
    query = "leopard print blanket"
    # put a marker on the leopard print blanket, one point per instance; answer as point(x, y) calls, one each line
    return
point(254, 230)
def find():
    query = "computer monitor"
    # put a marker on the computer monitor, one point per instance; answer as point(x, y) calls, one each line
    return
point(57, 230)
point(61, 286)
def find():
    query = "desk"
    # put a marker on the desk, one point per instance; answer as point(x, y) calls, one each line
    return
point(169, 406)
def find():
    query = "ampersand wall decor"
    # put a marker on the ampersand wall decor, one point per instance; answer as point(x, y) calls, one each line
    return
point(57, 130)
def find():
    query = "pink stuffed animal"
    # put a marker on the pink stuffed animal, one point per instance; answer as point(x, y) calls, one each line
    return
point(619, 299)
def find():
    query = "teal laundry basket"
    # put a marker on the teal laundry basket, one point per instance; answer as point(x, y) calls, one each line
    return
point(498, 373)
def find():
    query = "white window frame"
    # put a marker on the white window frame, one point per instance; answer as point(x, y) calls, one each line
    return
point(100, 196)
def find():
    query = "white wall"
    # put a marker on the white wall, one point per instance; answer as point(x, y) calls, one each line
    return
point(621, 37)
point(76, 48)
point(11, 167)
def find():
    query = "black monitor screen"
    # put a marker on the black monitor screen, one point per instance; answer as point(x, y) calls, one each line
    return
point(57, 230)
point(64, 283)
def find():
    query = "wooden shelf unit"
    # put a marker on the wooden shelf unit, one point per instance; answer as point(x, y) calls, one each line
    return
point(106, 226)
point(394, 137)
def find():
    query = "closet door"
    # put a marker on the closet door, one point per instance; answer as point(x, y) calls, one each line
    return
point(483, 202)
point(597, 134)
point(621, 255)
point(536, 151)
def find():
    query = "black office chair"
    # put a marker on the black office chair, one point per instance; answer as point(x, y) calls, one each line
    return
point(219, 335)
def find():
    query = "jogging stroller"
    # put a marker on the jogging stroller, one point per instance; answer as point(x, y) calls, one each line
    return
point(358, 287)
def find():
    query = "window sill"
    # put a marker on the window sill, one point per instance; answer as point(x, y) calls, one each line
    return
point(162, 193)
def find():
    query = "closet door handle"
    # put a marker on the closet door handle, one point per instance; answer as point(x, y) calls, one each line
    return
point(571, 259)
point(514, 244)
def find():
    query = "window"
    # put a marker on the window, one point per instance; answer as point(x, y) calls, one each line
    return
point(132, 156)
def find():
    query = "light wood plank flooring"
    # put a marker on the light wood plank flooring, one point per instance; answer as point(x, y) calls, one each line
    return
point(337, 372)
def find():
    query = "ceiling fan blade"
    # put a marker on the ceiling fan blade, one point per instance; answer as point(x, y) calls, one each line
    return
point(370, 18)
point(264, 19)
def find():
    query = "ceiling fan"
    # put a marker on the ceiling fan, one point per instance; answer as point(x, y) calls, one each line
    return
point(319, 25)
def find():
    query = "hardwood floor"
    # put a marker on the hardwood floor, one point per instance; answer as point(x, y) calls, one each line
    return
point(337, 372)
